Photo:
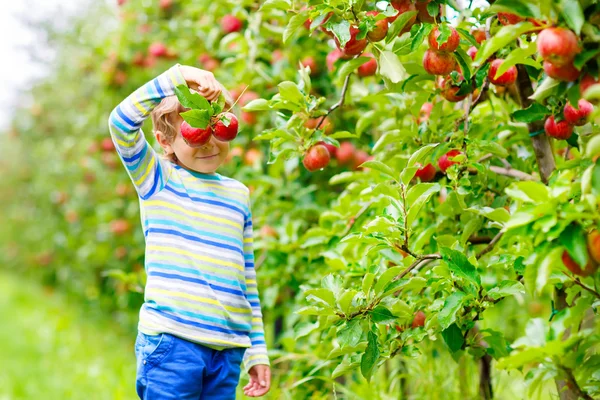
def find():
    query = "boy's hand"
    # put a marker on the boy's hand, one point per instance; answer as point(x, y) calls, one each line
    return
point(202, 81)
point(260, 381)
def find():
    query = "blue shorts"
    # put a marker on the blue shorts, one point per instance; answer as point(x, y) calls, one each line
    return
point(169, 367)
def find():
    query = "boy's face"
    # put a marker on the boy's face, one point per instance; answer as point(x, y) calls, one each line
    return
point(204, 159)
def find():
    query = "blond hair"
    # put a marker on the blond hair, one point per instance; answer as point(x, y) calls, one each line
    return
point(166, 114)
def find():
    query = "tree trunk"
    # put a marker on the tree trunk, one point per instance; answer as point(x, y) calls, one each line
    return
point(485, 378)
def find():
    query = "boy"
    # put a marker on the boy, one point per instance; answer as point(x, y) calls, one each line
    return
point(201, 315)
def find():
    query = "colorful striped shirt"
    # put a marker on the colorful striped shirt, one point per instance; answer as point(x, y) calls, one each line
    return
point(201, 282)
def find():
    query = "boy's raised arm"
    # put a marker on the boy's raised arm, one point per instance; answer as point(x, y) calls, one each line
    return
point(146, 169)
point(257, 354)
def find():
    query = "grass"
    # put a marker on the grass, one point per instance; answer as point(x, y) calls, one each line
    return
point(53, 349)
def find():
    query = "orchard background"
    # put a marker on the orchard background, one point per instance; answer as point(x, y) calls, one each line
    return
point(447, 250)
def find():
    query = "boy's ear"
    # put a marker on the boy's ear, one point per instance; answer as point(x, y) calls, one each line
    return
point(164, 143)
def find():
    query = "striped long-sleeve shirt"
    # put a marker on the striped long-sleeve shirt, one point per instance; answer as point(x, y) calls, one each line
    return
point(201, 282)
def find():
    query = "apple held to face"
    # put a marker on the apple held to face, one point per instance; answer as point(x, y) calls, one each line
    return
point(450, 45)
point(317, 157)
point(195, 137)
point(579, 116)
point(507, 78)
point(439, 63)
point(558, 130)
point(558, 45)
point(226, 127)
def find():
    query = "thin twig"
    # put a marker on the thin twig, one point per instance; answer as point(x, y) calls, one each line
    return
point(357, 216)
point(575, 386)
point(578, 282)
point(491, 245)
point(515, 173)
point(336, 105)
point(421, 262)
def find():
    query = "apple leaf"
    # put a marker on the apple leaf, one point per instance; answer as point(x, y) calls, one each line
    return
point(196, 118)
point(506, 288)
point(460, 265)
point(341, 30)
point(519, 55)
point(399, 24)
point(381, 167)
point(391, 68)
point(498, 346)
point(351, 66)
point(275, 4)
point(453, 337)
point(545, 89)
point(573, 238)
point(369, 358)
point(444, 35)
point(290, 92)
point(534, 112)
point(517, 7)
point(295, 22)
point(382, 315)
point(192, 100)
point(421, 33)
point(464, 60)
point(503, 37)
point(453, 303)
point(350, 333)
point(257, 105)
point(573, 15)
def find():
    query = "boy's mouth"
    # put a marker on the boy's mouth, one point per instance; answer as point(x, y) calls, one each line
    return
point(211, 156)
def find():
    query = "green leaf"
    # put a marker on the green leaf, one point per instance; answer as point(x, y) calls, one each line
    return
point(370, 357)
point(381, 314)
point(341, 31)
point(386, 278)
point(529, 192)
point(495, 214)
point(350, 66)
point(517, 7)
point(422, 32)
point(350, 333)
point(460, 265)
point(502, 38)
point(453, 303)
point(417, 196)
point(453, 338)
point(498, 346)
point(290, 92)
point(545, 89)
point(321, 295)
point(192, 100)
point(464, 60)
point(275, 4)
point(391, 68)
point(519, 55)
point(574, 240)
point(367, 282)
point(379, 166)
point(582, 58)
point(506, 288)
point(573, 14)
point(257, 105)
point(423, 152)
point(345, 300)
point(399, 24)
point(535, 112)
point(295, 22)
point(196, 118)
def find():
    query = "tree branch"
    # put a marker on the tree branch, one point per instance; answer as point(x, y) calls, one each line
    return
point(338, 104)
point(574, 386)
point(578, 282)
point(515, 173)
point(490, 246)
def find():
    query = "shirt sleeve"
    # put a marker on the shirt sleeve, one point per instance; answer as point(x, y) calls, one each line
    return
point(148, 171)
point(257, 353)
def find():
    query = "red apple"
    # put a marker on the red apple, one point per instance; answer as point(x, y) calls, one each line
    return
point(332, 57)
point(444, 162)
point(450, 45)
point(558, 45)
point(572, 265)
point(379, 32)
point(567, 73)
point(276, 56)
point(247, 97)
point(330, 148)
point(165, 4)
point(369, 68)
point(425, 112)
point(507, 78)
point(419, 319)
point(268, 231)
point(326, 126)
point(158, 49)
point(479, 35)
point(345, 153)
point(252, 156)
point(403, 6)
point(472, 52)
point(423, 14)
point(249, 118)
point(107, 144)
point(226, 127)
point(586, 82)
point(578, 117)
point(195, 137)
point(593, 242)
point(449, 90)
point(439, 63)
point(559, 130)
point(316, 158)
point(360, 156)
point(354, 46)
point(120, 226)
point(508, 18)
point(231, 23)
point(426, 173)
